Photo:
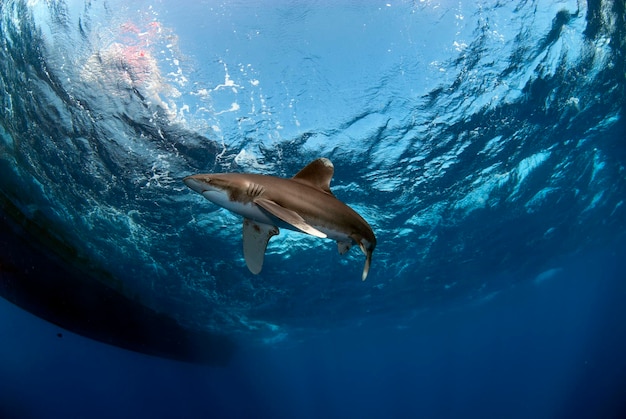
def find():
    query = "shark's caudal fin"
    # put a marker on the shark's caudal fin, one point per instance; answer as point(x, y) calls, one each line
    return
point(366, 268)
point(255, 238)
point(367, 251)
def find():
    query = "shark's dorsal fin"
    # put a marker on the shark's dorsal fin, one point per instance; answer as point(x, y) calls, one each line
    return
point(255, 238)
point(318, 173)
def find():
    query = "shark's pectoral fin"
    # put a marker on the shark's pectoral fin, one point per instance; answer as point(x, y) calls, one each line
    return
point(255, 239)
point(343, 247)
point(288, 216)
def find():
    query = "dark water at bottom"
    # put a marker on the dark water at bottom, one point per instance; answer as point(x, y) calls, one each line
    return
point(548, 348)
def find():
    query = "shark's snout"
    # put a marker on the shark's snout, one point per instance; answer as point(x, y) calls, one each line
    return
point(196, 184)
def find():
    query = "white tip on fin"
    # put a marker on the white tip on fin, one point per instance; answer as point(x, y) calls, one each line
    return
point(255, 239)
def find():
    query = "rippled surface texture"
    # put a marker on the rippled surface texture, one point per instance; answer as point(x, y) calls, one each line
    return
point(481, 140)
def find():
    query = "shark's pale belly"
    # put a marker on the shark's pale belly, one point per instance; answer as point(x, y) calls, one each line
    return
point(248, 210)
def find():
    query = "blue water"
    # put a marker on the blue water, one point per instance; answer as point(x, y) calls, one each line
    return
point(484, 143)
point(552, 349)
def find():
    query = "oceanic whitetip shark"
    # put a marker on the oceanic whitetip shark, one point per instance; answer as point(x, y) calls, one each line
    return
point(303, 203)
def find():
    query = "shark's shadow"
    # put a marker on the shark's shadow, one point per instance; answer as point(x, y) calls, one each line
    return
point(39, 281)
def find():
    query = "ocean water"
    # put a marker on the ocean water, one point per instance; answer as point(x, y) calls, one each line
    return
point(483, 142)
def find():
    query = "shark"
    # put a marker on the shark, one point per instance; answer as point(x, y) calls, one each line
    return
point(303, 203)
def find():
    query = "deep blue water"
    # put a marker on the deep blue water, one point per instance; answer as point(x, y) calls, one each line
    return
point(484, 143)
point(548, 349)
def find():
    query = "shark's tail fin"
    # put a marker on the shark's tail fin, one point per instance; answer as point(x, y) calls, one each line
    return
point(367, 250)
point(366, 268)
